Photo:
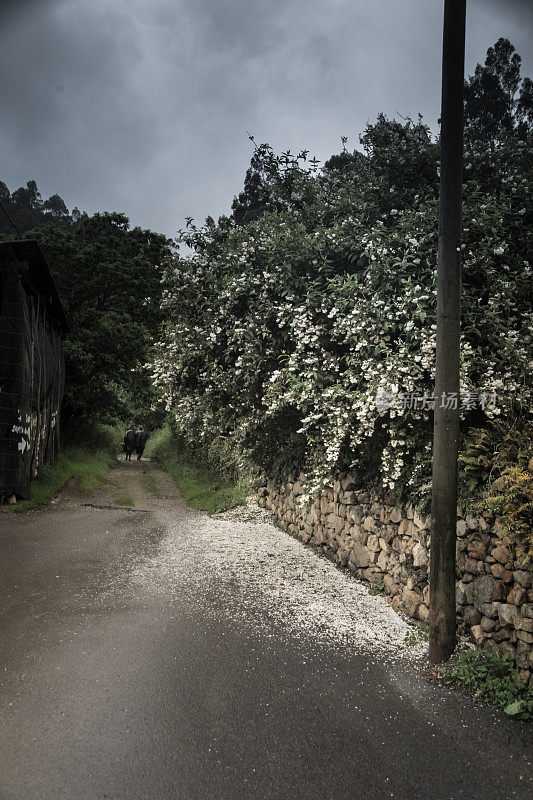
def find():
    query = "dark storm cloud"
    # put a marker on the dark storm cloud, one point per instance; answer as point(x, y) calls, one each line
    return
point(143, 105)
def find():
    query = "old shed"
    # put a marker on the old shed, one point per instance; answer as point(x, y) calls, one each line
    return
point(32, 323)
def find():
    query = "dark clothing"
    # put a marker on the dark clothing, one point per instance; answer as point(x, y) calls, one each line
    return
point(129, 443)
point(140, 442)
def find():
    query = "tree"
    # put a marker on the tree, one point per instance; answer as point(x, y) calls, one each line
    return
point(496, 102)
point(27, 209)
point(253, 201)
point(108, 277)
point(56, 206)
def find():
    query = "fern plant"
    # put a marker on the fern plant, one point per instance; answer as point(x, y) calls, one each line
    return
point(514, 507)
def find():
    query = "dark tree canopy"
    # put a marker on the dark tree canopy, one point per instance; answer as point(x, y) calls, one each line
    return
point(108, 277)
point(26, 209)
point(255, 198)
point(497, 101)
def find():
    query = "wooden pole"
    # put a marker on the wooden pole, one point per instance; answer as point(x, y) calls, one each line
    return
point(442, 624)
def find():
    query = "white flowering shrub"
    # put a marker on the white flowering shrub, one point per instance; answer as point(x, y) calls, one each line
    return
point(283, 328)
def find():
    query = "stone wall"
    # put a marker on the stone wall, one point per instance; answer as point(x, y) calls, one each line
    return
point(388, 545)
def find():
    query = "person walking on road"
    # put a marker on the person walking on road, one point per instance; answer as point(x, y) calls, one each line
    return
point(129, 442)
point(140, 441)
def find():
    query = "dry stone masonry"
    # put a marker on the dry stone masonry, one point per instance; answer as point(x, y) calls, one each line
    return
point(388, 545)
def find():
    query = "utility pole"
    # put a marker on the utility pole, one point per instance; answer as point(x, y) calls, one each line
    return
point(442, 625)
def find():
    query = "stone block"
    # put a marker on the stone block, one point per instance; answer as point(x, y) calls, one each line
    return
point(477, 549)
point(474, 566)
point(481, 591)
point(338, 524)
point(499, 591)
point(506, 613)
point(356, 514)
point(488, 624)
point(463, 593)
point(372, 574)
point(517, 595)
point(319, 534)
point(397, 544)
point(395, 515)
point(501, 635)
point(478, 634)
point(420, 522)
point(396, 602)
point(501, 554)
point(489, 609)
point(461, 527)
point(411, 601)
point(359, 556)
point(420, 556)
point(527, 610)
point(524, 578)
point(391, 587)
point(523, 655)
point(523, 623)
point(405, 528)
point(471, 522)
point(497, 570)
point(460, 594)
point(386, 535)
point(471, 616)
point(383, 561)
point(508, 649)
point(408, 546)
point(525, 636)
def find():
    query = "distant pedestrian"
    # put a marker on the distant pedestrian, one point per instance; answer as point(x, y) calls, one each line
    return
point(129, 442)
point(140, 441)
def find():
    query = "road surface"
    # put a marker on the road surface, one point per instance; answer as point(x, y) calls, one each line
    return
point(154, 652)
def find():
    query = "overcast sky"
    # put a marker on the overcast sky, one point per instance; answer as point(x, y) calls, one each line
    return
point(142, 106)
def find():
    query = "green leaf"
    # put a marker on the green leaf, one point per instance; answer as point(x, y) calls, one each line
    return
point(515, 708)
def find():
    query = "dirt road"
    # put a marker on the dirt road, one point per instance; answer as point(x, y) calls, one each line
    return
point(149, 651)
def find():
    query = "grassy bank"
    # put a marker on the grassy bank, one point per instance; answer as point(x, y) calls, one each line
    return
point(88, 462)
point(202, 488)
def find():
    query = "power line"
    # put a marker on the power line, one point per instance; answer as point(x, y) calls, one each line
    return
point(11, 221)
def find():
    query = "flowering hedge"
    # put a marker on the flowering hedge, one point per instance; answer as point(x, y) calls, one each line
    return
point(282, 329)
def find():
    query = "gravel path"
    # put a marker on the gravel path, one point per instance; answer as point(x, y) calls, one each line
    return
point(259, 572)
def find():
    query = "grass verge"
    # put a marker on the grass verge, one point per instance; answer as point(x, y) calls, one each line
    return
point(202, 488)
point(89, 463)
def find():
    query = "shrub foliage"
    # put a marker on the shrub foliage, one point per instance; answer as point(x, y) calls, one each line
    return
point(319, 292)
